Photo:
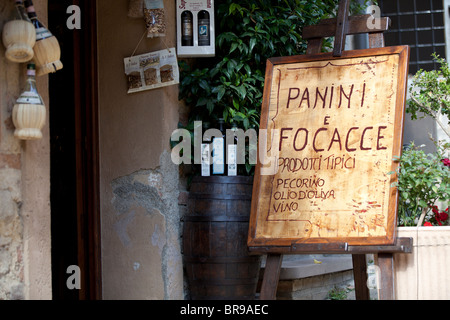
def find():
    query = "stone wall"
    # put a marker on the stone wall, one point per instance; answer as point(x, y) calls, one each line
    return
point(24, 187)
point(11, 226)
point(317, 287)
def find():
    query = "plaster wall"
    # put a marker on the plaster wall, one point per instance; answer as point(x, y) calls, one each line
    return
point(141, 254)
point(25, 261)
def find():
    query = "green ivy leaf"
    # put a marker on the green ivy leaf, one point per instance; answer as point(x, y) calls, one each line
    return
point(252, 44)
point(210, 106)
point(201, 102)
point(234, 46)
point(220, 93)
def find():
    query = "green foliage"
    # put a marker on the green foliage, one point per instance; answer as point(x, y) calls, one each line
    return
point(430, 93)
point(248, 32)
point(423, 180)
point(338, 293)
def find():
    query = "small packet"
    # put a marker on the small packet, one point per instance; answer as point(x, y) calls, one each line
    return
point(155, 19)
point(136, 9)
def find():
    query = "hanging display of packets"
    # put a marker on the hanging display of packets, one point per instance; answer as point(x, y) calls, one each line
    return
point(151, 70)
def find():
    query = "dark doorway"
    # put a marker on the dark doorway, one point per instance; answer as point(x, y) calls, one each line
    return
point(74, 156)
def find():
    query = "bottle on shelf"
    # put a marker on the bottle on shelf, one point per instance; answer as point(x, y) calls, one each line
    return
point(187, 38)
point(19, 36)
point(204, 38)
point(46, 50)
point(218, 151)
point(29, 110)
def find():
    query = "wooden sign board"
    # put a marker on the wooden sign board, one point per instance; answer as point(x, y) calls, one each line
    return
point(336, 123)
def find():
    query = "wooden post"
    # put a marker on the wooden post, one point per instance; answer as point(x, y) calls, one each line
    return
point(341, 27)
point(271, 276)
point(360, 276)
point(386, 285)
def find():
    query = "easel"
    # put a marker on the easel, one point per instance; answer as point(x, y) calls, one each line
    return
point(340, 27)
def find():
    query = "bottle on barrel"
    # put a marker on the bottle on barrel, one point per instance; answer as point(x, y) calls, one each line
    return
point(205, 153)
point(218, 151)
point(232, 152)
point(203, 28)
point(46, 50)
point(187, 38)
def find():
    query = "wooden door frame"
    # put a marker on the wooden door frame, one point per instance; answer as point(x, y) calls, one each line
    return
point(87, 152)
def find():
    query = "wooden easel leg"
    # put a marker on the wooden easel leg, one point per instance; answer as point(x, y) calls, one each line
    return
point(386, 285)
point(271, 277)
point(360, 277)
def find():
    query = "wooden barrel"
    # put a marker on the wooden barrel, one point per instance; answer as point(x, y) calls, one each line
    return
point(215, 231)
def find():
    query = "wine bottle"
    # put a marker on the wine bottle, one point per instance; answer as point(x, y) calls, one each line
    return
point(218, 151)
point(203, 28)
point(29, 110)
point(187, 38)
point(205, 168)
point(232, 153)
point(30, 94)
point(46, 50)
point(19, 35)
point(20, 11)
point(41, 31)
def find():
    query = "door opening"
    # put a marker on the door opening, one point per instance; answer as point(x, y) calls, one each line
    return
point(74, 197)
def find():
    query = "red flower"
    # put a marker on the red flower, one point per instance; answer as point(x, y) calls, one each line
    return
point(446, 162)
point(427, 224)
point(441, 216)
point(435, 209)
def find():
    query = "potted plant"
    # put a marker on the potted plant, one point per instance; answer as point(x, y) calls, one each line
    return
point(424, 192)
point(230, 86)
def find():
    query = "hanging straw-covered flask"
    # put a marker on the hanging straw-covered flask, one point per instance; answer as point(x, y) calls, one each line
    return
point(19, 35)
point(46, 50)
point(29, 111)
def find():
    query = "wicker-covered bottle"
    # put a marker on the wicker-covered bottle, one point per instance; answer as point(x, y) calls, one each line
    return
point(46, 50)
point(29, 111)
point(19, 36)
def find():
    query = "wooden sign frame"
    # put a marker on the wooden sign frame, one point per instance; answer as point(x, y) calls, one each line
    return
point(360, 232)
